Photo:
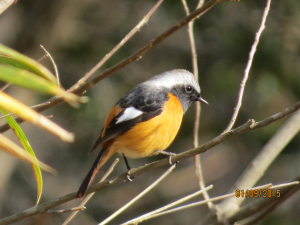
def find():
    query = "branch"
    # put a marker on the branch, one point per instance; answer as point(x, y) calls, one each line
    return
point(262, 161)
point(88, 197)
point(249, 125)
point(248, 67)
point(194, 204)
point(286, 194)
point(184, 199)
point(134, 57)
point(198, 166)
point(75, 209)
point(117, 47)
point(122, 209)
point(257, 206)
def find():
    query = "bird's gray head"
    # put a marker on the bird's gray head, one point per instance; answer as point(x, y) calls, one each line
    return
point(180, 83)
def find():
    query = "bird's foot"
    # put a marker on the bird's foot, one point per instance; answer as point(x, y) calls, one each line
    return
point(128, 177)
point(169, 154)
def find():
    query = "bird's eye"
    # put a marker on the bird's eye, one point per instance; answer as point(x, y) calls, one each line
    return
point(188, 89)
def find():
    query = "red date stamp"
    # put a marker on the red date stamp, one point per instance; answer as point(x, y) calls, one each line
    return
point(257, 193)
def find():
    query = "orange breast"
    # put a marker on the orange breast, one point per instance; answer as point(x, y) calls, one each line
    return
point(155, 134)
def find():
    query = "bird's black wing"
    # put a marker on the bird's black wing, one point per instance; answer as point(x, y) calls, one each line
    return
point(148, 102)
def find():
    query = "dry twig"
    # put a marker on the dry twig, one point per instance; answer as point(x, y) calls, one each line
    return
point(186, 198)
point(249, 125)
point(87, 198)
point(139, 196)
point(248, 67)
point(268, 186)
point(134, 57)
point(117, 47)
point(198, 166)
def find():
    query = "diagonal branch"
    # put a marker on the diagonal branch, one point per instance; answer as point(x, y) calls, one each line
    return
point(134, 57)
point(248, 67)
point(117, 47)
point(249, 125)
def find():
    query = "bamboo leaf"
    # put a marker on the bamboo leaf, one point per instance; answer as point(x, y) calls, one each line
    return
point(12, 105)
point(26, 62)
point(11, 148)
point(29, 80)
point(24, 141)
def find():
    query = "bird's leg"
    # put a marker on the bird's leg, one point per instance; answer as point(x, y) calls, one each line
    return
point(170, 154)
point(129, 179)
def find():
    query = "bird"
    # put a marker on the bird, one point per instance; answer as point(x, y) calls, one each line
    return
point(146, 120)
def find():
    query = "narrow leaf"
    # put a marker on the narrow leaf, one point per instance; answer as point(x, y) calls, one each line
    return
point(29, 80)
point(29, 63)
point(12, 105)
point(24, 141)
point(11, 148)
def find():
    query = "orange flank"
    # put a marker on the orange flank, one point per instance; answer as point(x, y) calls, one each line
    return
point(155, 134)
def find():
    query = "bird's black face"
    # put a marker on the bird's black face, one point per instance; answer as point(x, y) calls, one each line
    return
point(191, 93)
point(187, 94)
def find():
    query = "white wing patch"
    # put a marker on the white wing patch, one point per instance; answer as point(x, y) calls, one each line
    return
point(129, 114)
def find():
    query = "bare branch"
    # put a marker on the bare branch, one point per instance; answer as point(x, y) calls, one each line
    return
point(134, 57)
point(268, 186)
point(118, 46)
point(76, 209)
point(139, 196)
point(272, 207)
point(248, 67)
point(260, 164)
point(87, 198)
point(249, 125)
point(198, 166)
point(186, 198)
point(5, 86)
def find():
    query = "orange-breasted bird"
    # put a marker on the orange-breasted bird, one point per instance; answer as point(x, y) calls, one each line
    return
point(146, 120)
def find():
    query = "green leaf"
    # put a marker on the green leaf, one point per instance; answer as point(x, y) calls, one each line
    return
point(29, 80)
point(23, 139)
point(22, 61)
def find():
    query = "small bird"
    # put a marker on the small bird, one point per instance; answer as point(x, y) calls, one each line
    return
point(146, 120)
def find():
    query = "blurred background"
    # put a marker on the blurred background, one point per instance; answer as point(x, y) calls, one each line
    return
point(79, 33)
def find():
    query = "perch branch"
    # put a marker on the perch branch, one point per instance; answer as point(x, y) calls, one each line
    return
point(249, 125)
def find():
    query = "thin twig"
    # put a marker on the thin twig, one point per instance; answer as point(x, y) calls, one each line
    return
point(139, 196)
point(198, 166)
point(134, 57)
point(186, 198)
point(53, 63)
point(5, 86)
point(248, 67)
point(88, 197)
point(256, 207)
point(76, 209)
point(262, 161)
point(249, 125)
point(43, 57)
point(272, 207)
point(118, 46)
point(268, 186)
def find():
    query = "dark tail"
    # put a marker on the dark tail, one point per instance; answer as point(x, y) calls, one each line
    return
point(90, 176)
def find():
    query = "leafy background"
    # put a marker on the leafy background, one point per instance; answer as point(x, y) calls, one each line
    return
point(79, 33)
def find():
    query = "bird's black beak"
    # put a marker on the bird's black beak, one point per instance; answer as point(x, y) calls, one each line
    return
point(202, 100)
